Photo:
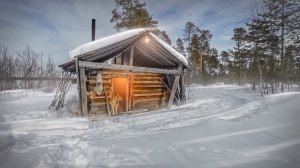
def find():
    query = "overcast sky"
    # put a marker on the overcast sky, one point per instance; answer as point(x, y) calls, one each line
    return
point(58, 26)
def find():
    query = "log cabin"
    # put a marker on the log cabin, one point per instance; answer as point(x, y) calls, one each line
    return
point(136, 65)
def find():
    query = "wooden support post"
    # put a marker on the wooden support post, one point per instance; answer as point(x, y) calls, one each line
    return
point(83, 92)
point(131, 56)
point(127, 94)
point(78, 86)
point(167, 87)
point(174, 88)
point(131, 92)
point(183, 96)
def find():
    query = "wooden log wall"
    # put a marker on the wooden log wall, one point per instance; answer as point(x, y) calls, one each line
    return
point(146, 91)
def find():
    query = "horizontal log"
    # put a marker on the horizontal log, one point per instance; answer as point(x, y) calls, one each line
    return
point(147, 82)
point(98, 109)
point(133, 112)
point(158, 100)
point(96, 100)
point(148, 86)
point(157, 78)
point(94, 81)
point(148, 90)
point(98, 97)
point(128, 68)
point(97, 104)
point(148, 94)
point(112, 72)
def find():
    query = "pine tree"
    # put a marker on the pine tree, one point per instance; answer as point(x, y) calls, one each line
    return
point(240, 50)
point(225, 63)
point(198, 47)
point(180, 47)
point(129, 14)
point(189, 30)
point(212, 63)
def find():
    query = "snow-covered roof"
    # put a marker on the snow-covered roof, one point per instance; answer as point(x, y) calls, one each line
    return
point(153, 53)
point(106, 41)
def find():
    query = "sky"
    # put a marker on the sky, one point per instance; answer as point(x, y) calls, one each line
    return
point(57, 26)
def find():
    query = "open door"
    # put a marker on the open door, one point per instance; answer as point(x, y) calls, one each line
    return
point(120, 87)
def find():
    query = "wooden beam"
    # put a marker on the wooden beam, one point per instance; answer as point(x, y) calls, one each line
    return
point(127, 94)
point(95, 65)
point(83, 92)
point(167, 87)
point(78, 86)
point(174, 88)
point(182, 84)
point(131, 55)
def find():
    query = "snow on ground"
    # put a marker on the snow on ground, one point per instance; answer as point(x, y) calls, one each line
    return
point(31, 136)
point(222, 126)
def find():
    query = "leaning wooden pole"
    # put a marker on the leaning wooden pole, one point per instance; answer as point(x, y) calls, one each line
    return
point(174, 88)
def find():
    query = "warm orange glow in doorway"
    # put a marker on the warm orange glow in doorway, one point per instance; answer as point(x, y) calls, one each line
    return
point(120, 87)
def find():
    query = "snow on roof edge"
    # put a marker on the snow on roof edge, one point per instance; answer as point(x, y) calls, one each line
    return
point(105, 41)
point(179, 56)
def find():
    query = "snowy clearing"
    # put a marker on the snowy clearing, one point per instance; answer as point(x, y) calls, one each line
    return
point(222, 126)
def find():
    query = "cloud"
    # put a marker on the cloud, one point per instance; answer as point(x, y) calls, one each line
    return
point(57, 26)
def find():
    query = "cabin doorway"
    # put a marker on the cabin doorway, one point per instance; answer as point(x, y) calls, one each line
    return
point(120, 87)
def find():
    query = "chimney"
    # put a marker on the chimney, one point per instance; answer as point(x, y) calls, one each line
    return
point(93, 29)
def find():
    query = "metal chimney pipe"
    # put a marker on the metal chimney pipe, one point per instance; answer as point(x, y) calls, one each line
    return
point(93, 29)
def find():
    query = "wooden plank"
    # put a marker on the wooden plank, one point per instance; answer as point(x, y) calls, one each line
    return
point(174, 88)
point(95, 65)
point(83, 92)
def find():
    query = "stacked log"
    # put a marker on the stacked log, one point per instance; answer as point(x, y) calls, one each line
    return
point(146, 91)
